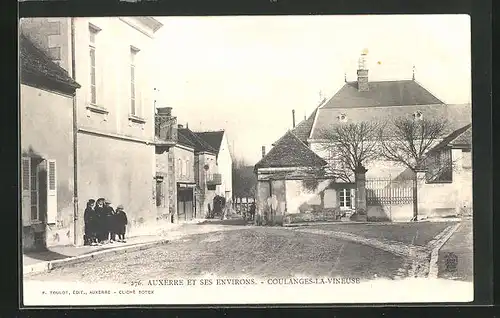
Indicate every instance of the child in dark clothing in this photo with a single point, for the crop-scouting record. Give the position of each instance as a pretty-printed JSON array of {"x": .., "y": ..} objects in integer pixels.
[{"x": 121, "y": 223}]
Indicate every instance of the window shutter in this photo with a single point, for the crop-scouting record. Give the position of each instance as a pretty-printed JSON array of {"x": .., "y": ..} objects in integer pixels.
[
  {"x": 51, "y": 192},
  {"x": 26, "y": 193},
  {"x": 353, "y": 198}
]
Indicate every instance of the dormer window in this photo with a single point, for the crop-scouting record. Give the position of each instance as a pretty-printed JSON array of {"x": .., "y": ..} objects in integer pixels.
[
  {"x": 417, "y": 115},
  {"x": 342, "y": 118}
]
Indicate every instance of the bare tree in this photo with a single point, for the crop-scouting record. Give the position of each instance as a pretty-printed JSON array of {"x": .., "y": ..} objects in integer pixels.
[
  {"x": 407, "y": 142},
  {"x": 350, "y": 147}
]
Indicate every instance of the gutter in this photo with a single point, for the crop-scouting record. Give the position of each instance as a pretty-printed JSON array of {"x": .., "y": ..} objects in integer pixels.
[{"x": 75, "y": 140}]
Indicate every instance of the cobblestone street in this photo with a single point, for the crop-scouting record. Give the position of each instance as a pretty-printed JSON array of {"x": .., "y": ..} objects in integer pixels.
[{"x": 227, "y": 250}]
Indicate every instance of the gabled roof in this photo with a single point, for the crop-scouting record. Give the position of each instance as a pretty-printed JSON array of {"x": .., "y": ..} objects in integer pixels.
[
  {"x": 458, "y": 115},
  {"x": 188, "y": 138},
  {"x": 303, "y": 129},
  {"x": 460, "y": 138},
  {"x": 290, "y": 151},
  {"x": 384, "y": 93},
  {"x": 212, "y": 138},
  {"x": 39, "y": 69}
]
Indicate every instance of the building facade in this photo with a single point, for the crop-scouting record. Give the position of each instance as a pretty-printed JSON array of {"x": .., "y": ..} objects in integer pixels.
[
  {"x": 389, "y": 189},
  {"x": 165, "y": 179},
  {"x": 47, "y": 162},
  {"x": 115, "y": 109},
  {"x": 224, "y": 161}
]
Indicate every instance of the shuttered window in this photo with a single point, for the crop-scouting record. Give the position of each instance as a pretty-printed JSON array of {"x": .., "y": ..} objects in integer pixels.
[
  {"x": 52, "y": 175},
  {"x": 26, "y": 173},
  {"x": 51, "y": 192}
]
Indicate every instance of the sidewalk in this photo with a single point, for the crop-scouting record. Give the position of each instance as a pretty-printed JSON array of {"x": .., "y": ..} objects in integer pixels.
[
  {"x": 41, "y": 261},
  {"x": 456, "y": 256}
]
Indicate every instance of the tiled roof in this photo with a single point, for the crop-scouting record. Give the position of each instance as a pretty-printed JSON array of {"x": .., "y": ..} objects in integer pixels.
[
  {"x": 34, "y": 61},
  {"x": 385, "y": 93},
  {"x": 457, "y": 115},
  {"x": 213, "y": 138},
  {"x": 461, "y": 137},
  {"x": 290, "y": 151},
  {"x": 188, "y": 138}
]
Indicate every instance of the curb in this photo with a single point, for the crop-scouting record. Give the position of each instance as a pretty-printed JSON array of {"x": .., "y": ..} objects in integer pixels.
[
  {"x": 444, "y": 237},
  {"x": 324, "y": 223},
  {"x": 50, "y": 265}
]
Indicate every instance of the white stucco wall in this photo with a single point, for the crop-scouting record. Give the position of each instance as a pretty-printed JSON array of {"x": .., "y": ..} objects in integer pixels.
[
  {"x": 225, "y": 162},
  {"x": 113, "y": 44}
]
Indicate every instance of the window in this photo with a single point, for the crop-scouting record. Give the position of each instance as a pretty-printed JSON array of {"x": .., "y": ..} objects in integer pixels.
[
  {"x": 440, "y": 167},
  {"x": 133, "y": 92},
  {"x": 159, "y": 193},
  {"x": 345, "y": 198},
  {"x": 179, "y": 167},
  {"x": 417, "y": 115},
  {"x": 187, "y": 169},
  {"x": 92, "y": 51}
]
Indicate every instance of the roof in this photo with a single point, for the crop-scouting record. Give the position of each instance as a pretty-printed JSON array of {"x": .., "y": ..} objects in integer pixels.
[
  {"x": 35, "y": 64},
  {"x": 460, "y": 138},
  {"x": 290, "y": 151},
  {"x": 213, "y": 138},
  {"x": 458, "y": 115},
  {"x": 303, "y": 129},
  {"x": 382, "y": 93},
  {"x": 188, "y": 138}
]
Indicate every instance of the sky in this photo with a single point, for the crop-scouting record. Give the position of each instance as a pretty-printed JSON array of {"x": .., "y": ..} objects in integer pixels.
[{"x": 245, "y": 74}]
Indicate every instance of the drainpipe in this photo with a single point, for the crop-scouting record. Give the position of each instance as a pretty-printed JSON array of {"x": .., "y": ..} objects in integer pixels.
[{"x": 76, "y": 222}]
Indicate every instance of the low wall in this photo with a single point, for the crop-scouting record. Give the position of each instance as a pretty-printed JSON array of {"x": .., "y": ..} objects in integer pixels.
[
  {"x": 438, "y": 200},
  {"x": 394, "y": 213},
  {"x": 313, "y": 216}
]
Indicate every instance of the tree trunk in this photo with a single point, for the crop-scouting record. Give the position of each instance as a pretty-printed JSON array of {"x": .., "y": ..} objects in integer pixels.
[{"x": 415, "y": 197}]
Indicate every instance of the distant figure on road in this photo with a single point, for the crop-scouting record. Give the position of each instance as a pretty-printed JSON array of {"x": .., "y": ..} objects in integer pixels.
[
  {"x": 90, "y": 219},
  {"x": 121, "y": 223},
  {"x": 252, "y": 211}
]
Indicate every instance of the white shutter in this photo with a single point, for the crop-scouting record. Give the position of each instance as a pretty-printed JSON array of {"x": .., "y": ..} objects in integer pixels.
[
  {"x": 353, "y": 198},
  {"x": 51, "y": 192},
  {"x": 26, "y": 190}
]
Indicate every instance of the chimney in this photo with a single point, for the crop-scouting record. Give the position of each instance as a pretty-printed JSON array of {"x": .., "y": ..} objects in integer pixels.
[
  {"x": 180, "y": 126},
  {"x": 187, "y": 125},
  {"x": 165, "y": 111},
  {"x": 363, "y": 72},
  {"x": 263, "y": 151},
  {"x": 293, "y": 117}
]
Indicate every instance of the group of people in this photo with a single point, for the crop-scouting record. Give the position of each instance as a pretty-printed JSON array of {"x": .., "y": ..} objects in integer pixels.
[{"x": 103, "y": 224}]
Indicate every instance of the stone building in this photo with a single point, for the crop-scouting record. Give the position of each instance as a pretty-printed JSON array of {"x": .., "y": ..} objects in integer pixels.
[
  {"x": 389, "y": 192},
  {"x": 47, "y": 140},
  {"x": 111, "y": 59},
  {"x": 165, "y": 178},
  {"x": 219, "y": 142},
  {"x": 202, "y": 162}
]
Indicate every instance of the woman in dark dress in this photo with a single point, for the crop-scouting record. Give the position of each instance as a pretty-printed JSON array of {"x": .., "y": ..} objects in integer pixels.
[
  {"x": 101, "y": 220},
  {"x": 89, "y": 218}
]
